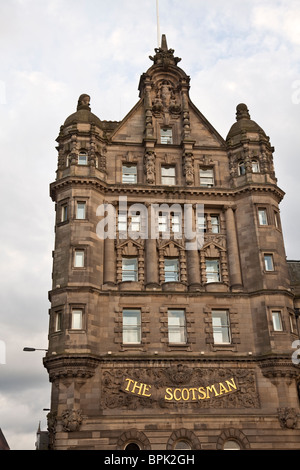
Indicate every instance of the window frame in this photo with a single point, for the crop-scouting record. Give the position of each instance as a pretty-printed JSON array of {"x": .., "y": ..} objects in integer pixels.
[
  {"x": 129, "y": 175},
  {"x": 216, "y": 272},
  {"x": 175, "y": 329},
  {"x": 175, "y": 272},
  {"x": 79, "y": 260},
  {"x": 269, "y": 256},
  {"x": 241, "y": 168},
  {"x": 167, "y": 179},
  {"x": 166, "y": 139},
  {"x": 79, "y": 312},
  {"x": 218, "y": 330},
  {"x": 276, "y": 319},
  {"x": 204, "y": 179},
  {"x": 132, "y": 328},
  {"x": 263, "y": 219},
  {"x": 84, "y": 204},
  {"x": 126, "y": 272},
  {"x": 82, "y": 154}
]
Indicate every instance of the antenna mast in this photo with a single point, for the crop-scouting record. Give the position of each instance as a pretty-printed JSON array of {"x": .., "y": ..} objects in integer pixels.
[{"x": 158, "y": 27}]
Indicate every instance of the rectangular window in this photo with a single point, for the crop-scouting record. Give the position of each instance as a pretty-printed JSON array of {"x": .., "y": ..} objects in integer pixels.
[
  {"x": 76, "y": 319},
  {"x": 262, "y": 217},
  {"x": 79, "y": 259},
  {"x": 58, "y": 321},
  {"x": 212, "y": 270},
  {"x": 129, "y": 174},
  {"x": 176, "y": 223},
  {"x": 64, "y": 213},
  {"x": 207, "y": 177},
  {"x": 201, "y": 223},
  {"x": 176, "y": 326},
  {"x": 268, "y": 262},
  {"x": 131, "y": 326},
  {"x": 168, "y": 176},
  {"x": 221, "y": 327},
  {"x": 215, "y": 224},
  {"x": 172, "y": 270},
  {"x": 135, "y": 223},
  {"x": 129, "y": 269},
  {"x": 122, "y": 222},
  {"x": 277, "y": 220},
  {"x": 162, "y": 223},
  {"x": 82, "y": 158},
  {"x": 166, "y": 136},
  {"x": 80, "y": 210},
  {"x": 276, "y": 320}
]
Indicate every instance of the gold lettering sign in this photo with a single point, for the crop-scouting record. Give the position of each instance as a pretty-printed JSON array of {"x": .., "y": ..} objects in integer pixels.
[{"x": 185, "y": 394}]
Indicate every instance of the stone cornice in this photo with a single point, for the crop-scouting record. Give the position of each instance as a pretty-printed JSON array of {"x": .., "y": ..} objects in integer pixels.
[{"x": 179, "y": 191}]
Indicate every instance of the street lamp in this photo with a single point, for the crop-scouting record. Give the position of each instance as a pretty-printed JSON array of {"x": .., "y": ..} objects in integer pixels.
[{"x": 33, "y": 349}]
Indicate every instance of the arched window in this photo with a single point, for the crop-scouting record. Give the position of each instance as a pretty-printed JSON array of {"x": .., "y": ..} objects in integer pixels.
[
  {"x": 182, "y": 445},
  {"x": 231, "y": 445},
  {"x": 132, "y": 446},
  {"x": 242, "y": 168}
]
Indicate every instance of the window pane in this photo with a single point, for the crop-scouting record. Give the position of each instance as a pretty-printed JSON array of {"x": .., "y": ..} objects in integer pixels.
[
  {"x": 64, "y": 213},
  {"x": 231, "y": 445},
  {"x": 129, "y": 269},
  {"x": 122, "y": 222},
  {"x": 79, "y": 259},
  {"x": 131, "y": 326},
  {"x": 82, "y": 158},
  {"x": 206, "y": 177},
  {"x": 162, "y": 223},
  {"x": 215, "y": 227},
  {"x": 129, "y": 174},
  {"x": 220, "y": 324},
  {"x": 176, "y": 326},
  {"x": 135, "y": 223},
  {"x": 242, "y": 168},
  {"x": 171, "y": 270},
  {"x": 212, "y": 270},
  {"x": 175, "y": 219},
  {"x": 262, "y": 217},
  {"x": 277, "y": 323},
  {"x": 255, "y": 166},
  {"x": 80, "y": 214},
  {"x": 201, "y": 223},
  {"x": 58, "y": 321},
  {"x": 76, "y": 319},
  {"x": 269, "y": 266},
  {"x": 168, "y": 175},
  {"x": 166, "y": 136}
]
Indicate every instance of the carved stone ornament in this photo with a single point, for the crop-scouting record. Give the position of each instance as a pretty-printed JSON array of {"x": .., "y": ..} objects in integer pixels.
[
  {"x": 288, "y": 418},
  {"x": 71, "y": 420},
  {"x": 149, "y": 162},
  {"x": 178, "y": 386}
]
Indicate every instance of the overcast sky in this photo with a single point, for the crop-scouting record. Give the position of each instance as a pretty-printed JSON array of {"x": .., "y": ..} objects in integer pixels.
[{"x": 54, "y": 50}]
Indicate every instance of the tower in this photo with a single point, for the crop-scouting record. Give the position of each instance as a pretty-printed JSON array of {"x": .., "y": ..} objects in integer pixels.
[{"x": 172, "y": 316}]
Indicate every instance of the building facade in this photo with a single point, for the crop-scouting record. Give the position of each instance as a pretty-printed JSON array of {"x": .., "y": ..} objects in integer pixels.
[{"x": 172, "y": 318}]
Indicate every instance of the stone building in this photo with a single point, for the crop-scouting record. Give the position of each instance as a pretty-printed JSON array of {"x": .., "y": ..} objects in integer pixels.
[{"x": 172, "y": 320}]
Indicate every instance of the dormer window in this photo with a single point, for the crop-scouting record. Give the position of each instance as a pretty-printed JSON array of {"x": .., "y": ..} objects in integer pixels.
[
  {"x": 82, "y": 158},
  {"x": 166, "y": 136}
]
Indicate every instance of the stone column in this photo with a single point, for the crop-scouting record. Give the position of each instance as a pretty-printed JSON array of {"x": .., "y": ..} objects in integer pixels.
[
  {"x": 109, "y": 276},
  {"x": 192, "y": 256},
  {"x": 151, "y": 255},
  {"x": 232, "y": 251}
]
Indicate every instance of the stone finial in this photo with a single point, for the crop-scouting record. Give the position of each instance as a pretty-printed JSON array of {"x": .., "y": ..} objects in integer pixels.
[
  {"x": 164, "y": 56},
  {"x": 242, "y": 112},
  {"x": 84, "y": 102}
]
